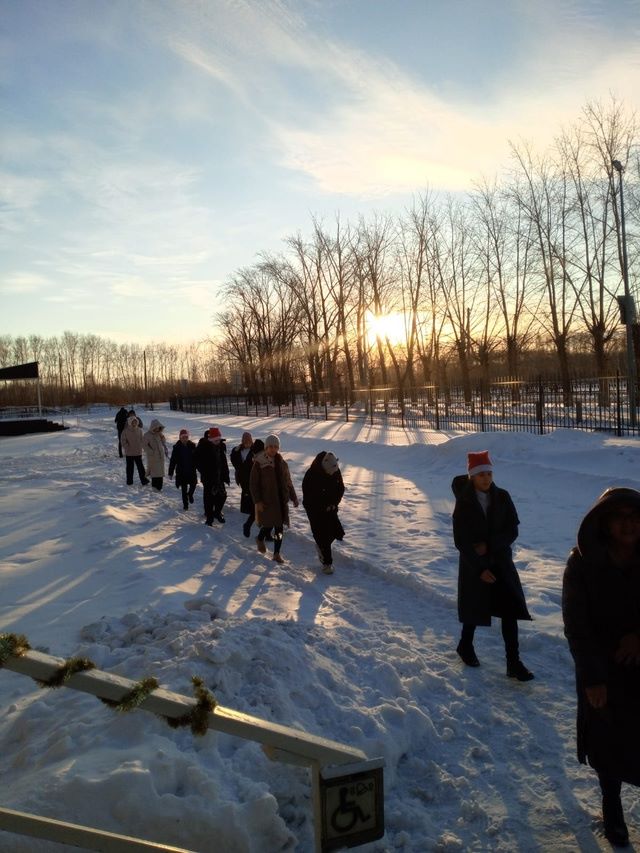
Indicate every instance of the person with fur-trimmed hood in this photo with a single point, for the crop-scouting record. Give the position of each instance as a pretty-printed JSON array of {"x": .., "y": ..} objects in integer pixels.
[
  {"x": 322, "y": 491},
  {"x": 211, "y": 462},
  {"x": 182, "y": 462},
  {"x": 156, "y": 451},
  {"x": 132, "y": 438},
  {"x": 485, "y": 525},
  {"x": 271, "y": 490},
  {"x": 601, "y": 612},
  {"x": 242, "y": 458}
]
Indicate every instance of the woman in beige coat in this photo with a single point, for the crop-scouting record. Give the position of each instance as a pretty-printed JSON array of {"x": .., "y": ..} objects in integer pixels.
[
  {"x": 132, "y": 445},
  {"x": 271, "y": 490},
  {"x": 155, "y": 448}
]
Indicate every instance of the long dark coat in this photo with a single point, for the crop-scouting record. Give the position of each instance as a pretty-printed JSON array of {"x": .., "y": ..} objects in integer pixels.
[
  {"x": 600, "y": 604},
  {"x": 182, "y": 461},
  {"x": 211, "y": 461},
  {"x": 319, "y": 492},
  {"x": 270, "y": 483},
  {"x": 243, "y": 474},
  {"x": 479, "y": 601}
]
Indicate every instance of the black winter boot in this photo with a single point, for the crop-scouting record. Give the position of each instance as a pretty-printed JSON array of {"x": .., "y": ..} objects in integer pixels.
[
  {"x": 467, "y": 653},
  {"x": 615, "y": 829},
  {"x": 516, "y": 669}
]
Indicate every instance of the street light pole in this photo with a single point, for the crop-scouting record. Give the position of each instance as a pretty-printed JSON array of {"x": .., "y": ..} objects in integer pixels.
[{"x": 629, "y": 316}]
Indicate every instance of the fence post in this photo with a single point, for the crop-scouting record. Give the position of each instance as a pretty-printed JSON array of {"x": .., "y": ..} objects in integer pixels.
[
  {"x": 540, "y": 405},
  {"x": 437, "y": 391},
  {"x": 326, "y": 410},
  {"x": 293, "y": 403},
  {"x": 370, "y": 406},
  {"x": 481, "y": 406},
  {"x": 618, "y": 405}
]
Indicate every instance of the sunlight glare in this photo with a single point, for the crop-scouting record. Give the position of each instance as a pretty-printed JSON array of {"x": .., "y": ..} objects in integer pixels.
[{"x": 386, "y": 326}]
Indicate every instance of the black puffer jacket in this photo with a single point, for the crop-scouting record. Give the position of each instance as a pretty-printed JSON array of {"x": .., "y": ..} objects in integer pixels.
[
  {"x": 600, "y": 605},
  {"x": 479, "y": 601}
]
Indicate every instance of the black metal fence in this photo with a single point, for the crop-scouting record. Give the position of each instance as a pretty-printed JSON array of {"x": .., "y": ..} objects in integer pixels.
[{"x": 539, "y": 405}]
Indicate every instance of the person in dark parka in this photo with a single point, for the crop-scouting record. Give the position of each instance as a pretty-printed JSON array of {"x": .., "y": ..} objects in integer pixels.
[
  {"x": 182, "y": 462},
  {"x": 242, "y": 458},
  {"x": 322, "y": 491},
  {"x": 485, "y": 525},
  {"x": 211, "y": 462},
  {"x": 121, "y": 422},
  {"x": 601, "y": 612}
]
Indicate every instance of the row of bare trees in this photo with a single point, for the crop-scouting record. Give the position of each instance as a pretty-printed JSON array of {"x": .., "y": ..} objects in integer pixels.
[
  {"x": 77, "y": 369},
  {"x": 479, "y": 281}
]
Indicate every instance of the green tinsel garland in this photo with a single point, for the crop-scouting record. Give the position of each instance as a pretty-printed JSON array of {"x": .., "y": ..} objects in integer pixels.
[
  {"x": 135, "y": 697},
  {"x": 68, "y": 668},
  {"x": 198, "y": 718},
  {"x": 14, "y": 645}
]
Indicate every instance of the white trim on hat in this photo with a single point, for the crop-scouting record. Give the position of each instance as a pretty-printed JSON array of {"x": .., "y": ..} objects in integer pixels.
[{"x": 479, "y": 469}]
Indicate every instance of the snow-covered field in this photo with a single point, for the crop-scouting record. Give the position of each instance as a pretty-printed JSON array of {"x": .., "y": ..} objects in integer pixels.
[{"x": 474, "y": 761}]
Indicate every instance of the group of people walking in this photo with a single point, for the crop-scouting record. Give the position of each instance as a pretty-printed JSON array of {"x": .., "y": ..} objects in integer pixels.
[
  {"x": 259, "y": 469},
  {"x": 600, "y": 609},
  {"x": 601, "y": 584}
]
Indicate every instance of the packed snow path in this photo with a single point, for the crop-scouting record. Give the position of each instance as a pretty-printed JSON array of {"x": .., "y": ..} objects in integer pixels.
[{"x": 366, "y": 656}]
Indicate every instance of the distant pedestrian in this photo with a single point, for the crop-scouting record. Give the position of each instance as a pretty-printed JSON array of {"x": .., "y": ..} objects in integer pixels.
[
  {"x": 211, "y": 462},
  {"x": 322, "y": 491},
  {"x": 601, "y": 611},
  {"x": 132, "y": 445},
  {"x": 182, "y": 461},
  {"x": 156, "y": 451},
  {"x": 121, "y": 422},
  {"x": 485, "y": 525},
  {"x": 271, "y": 490},
  {"x": 242, "y": 458}
]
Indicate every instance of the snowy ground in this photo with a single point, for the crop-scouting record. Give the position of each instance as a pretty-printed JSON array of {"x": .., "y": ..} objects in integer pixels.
[{"x": 367, "y": 656}]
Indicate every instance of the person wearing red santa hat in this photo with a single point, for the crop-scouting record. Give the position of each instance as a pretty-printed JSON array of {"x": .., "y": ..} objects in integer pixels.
[
  {"x": 211, "y": 462},
  {"x": 485, "y": 525}
]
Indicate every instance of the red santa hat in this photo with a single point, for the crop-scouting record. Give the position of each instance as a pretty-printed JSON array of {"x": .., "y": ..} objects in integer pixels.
[
  {"x": 214, "y": 433},
  {"x": 478, "y": 462}
]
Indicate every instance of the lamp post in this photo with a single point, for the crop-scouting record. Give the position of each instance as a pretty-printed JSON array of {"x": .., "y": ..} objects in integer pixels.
[{"x": 629, "y": 314}]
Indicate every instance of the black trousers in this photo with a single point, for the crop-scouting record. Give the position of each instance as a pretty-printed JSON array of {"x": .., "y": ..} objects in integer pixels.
[
  {"x": 188, "y": 490},
  {"x": 120, "y": 453},
  {"x": 213, "y": 502},
  {"x": 277, "y": 537},
  {"x": 509, "y": 635},
  {"x": 130, "y": 460}
]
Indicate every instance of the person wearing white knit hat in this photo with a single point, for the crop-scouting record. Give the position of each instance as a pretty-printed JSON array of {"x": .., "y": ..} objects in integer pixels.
[
  {"x": 485, "y": 524},
  {"x": 271, "y": 490}
]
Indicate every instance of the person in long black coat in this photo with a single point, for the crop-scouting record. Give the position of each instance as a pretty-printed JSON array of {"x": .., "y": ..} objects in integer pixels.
[
  {"x": 242, "y": 458},
  {"x": 485, "y": 525},
  {"x": 182, "y": 461},
  {"x": 121, "y": 422},
  {"x": 322, "y": 491},
  {"x": 211, "y": 462},
  {"x": 601, "y": 612}
]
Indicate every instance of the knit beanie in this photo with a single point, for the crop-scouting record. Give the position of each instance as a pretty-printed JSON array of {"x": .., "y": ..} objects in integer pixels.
[
  {"x": 478, "y": 462},
  {"x": 184, "y": 432},
  {"x": 272, "y": 441}
]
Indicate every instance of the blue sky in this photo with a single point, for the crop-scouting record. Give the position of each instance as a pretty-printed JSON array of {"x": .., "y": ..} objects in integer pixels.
[{"x": 149, "y": 148}]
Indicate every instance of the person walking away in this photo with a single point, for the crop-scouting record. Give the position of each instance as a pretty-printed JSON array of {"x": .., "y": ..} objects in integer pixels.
[
  {"x": 601, "y": 613},
  {"x": 155, "y": 448},
  {"x": 132, "y": 445},
  {"x": 121, "y": 422},
  {"x": 211, "y": 462},
  {"x": 322, "y": 491},
  {"x": 271, "y": 490},
  {"x": 485, "y": 525},
  {"x": 182, "y": 462},
  {"x": 242, "y": 458}
]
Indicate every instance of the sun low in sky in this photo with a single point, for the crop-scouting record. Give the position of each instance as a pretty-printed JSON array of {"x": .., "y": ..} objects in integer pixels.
[{"x": 150, "y": 149}]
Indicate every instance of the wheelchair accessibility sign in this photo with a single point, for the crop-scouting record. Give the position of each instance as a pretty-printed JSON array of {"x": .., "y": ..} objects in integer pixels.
[{"x": 352, "y": 804}]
